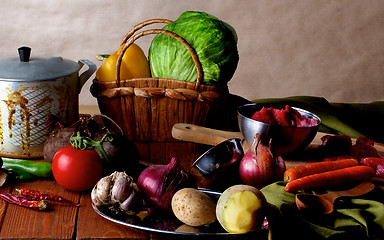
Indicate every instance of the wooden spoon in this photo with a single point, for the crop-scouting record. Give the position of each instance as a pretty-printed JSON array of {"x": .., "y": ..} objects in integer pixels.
[
  {"x": 324, "y": 203},
  {"x": 197, "y": 134}
]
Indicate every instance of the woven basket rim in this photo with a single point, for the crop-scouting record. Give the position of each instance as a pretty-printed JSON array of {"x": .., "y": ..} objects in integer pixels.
[
  {"x": 113, "y": 84},
  {"x": 206, "y": 93}
]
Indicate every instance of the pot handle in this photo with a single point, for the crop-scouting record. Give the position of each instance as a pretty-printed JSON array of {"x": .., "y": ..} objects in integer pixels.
[{"x": 88, "y": 73}]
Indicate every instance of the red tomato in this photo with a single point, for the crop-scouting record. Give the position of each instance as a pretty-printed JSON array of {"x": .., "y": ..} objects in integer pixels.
[{"x": 76, "y": 169}]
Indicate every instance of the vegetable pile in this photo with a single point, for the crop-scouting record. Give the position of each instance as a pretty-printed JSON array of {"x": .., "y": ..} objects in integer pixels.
[{"x": 168, "y": 190}]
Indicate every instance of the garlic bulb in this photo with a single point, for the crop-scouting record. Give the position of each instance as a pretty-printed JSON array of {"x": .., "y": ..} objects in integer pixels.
[{"x": 117, "y": 192}]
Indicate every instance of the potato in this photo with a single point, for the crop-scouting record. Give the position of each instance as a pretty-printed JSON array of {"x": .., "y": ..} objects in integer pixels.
[
  {"x": 193, "y": 207},
  {"x": 241, "y": 208},
  {"x": 187, "y": 229}
]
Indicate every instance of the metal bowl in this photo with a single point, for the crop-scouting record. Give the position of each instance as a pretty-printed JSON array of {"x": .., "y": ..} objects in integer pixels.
[
  {"x": 284, "y": 139},
  {"x": 216, "y": 168}
]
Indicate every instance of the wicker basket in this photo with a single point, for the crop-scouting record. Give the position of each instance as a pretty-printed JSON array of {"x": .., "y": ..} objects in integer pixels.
[{"x": 147, "y": 108}]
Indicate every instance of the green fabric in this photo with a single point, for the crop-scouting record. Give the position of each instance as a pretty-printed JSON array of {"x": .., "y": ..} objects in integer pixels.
[
  {"x": 352, "y": 119},
  {"x": 353, "y": 218}
]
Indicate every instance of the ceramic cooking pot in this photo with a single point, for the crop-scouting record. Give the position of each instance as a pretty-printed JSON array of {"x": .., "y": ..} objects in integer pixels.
[{"x": 35, "y": 94}]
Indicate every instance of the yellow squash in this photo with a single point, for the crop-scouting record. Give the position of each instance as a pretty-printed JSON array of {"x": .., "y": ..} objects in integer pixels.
[{"x": 134, "y": 65}]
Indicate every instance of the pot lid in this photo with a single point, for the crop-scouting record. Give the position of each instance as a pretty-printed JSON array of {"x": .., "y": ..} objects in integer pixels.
[{"x": 24, "y": 68}]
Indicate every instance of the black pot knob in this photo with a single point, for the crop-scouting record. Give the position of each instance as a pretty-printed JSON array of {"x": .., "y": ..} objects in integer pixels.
[{"x": 24, "y": 53}]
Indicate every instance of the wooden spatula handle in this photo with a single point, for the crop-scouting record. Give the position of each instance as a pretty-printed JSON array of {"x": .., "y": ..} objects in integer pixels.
[{"x": 197, "y": 134}]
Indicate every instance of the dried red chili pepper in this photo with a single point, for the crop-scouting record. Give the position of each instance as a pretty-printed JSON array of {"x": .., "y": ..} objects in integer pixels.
[
  {"x": 38, "y": 195},
  {"x": 22, "y": 201}
]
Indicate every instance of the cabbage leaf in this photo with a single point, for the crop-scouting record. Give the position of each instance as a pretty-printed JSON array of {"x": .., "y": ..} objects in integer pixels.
[{"x": 214, "y": 41}]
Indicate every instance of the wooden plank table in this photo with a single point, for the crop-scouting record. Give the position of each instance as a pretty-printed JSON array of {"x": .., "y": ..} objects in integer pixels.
[{"x": 67, "y": 222}]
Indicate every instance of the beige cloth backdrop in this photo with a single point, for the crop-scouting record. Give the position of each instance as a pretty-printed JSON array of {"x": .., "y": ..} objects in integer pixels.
[{"x": 333, "y": 49}]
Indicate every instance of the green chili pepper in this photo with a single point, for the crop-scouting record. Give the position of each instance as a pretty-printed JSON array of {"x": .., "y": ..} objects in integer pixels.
[
  {"x": 20, "y": 175},
  {"x": 24, "y": 167}
]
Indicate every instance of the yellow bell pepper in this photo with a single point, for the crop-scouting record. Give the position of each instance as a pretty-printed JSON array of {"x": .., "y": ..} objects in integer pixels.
[{"x": 133, "y": 65}]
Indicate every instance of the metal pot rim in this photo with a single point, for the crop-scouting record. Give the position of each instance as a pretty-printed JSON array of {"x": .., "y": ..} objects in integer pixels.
[{"x": 26, "y": 68}]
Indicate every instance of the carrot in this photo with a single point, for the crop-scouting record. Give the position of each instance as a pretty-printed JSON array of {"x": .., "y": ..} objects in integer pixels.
[
  {"x": 317, "y": 167},
  {"x": 337, "y": 158},
  {"x": 331, "y": 178}
]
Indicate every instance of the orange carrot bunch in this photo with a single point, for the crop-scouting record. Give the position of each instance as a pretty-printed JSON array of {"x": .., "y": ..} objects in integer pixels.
[
  {"x": 317, "y": 167},
  {"x": 328, "y": 173}
]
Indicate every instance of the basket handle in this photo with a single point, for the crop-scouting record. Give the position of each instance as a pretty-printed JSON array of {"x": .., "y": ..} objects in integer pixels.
[
  {"x": 133, "y": 38},
  {"x": 141, "y": 25}
]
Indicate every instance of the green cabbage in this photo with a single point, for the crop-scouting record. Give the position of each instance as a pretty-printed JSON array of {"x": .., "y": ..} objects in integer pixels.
[{"x": 214, "y": 41}]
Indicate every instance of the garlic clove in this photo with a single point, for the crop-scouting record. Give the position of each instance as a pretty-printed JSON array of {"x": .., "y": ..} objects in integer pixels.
[
  {"x": 100, "y": 193},
  {"x": 94, "y": 197},
  {"x": 128, "y": 202},
  {"x": 134, "y": 201},
  {"x": 121, "y": 188}
]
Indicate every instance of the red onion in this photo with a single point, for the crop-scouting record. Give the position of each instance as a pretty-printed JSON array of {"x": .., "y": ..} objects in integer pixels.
[
  {"x": 159, "y": 183},
  {"x": 259, "y": 167}
]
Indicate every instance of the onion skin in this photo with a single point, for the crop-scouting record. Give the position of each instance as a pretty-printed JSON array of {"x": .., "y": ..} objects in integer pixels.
[
  {"x": 259, "y": 167},
  {"x": 159, "y": 183}
]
